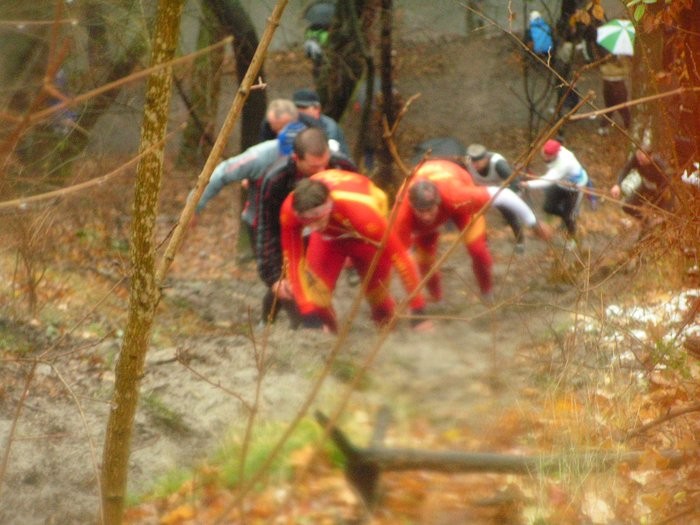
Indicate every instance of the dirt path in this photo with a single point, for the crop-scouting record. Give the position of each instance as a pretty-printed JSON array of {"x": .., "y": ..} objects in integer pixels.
[{"x": 466, "y": 372}]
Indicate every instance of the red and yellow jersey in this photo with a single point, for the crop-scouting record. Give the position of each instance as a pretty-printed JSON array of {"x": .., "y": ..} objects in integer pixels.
[
  {"x": 460, "y": 199},
  {"x": 359, "y": 210}
]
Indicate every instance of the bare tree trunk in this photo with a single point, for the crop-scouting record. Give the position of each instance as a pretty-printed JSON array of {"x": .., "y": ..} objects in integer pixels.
[
  {"x": 667, "y": 59},
  {"x": 235, "y": 20},
  {"x": 385, "y": 178},
  {"x": 345, "y": 64},
  {"x": 687, "y": 140},
  {"x": 203, "y": 95},
  {"x": 144, "y": 293}
]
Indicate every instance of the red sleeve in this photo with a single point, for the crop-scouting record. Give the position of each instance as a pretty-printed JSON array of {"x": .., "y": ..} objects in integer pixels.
[
  {"x": 403, "y": 225},
  {"x": 293, "y": 252},
  {"x": 464, "y": 202},
  {"x": 406, "y": 268}
]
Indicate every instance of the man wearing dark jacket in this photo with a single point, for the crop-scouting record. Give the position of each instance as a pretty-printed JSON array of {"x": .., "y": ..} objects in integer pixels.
[{"x": 311, "y": 155}]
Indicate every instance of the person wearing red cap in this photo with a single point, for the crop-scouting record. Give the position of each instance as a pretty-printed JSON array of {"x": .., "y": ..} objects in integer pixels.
[
  {"x": 346, "y": 214},
  {"x": 562, "y": 182}
]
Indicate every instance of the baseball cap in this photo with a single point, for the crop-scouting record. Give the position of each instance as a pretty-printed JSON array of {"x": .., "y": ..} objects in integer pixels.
[
  {"x": 305, "y": 98},
  {"x": 551, "y": 148}
]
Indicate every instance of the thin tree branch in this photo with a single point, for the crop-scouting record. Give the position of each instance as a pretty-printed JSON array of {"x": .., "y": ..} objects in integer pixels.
[
  {"x": 635, "y": 102},
  {"x": 247, "y": 84},
  {"x": 88, "y": 435},
  {"x": 22, "y": 24},
  {"x": 33, "y": 118},
  {"x": 23, "y": 202},
  {"x": 181, "y": 360},
  {"x": 13, "y": 426},
  {"x": 671, "y": 414}
]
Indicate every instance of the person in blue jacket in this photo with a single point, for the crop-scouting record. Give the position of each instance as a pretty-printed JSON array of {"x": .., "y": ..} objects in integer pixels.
[{"x": 539, "y": 36}]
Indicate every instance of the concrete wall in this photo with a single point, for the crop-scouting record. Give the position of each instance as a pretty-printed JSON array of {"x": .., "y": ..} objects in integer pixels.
[
  {"x": 418, "y": 19},
  {"x": 415, "y": 19}
]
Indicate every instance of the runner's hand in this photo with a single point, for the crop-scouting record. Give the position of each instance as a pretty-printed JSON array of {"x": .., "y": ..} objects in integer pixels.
[
  {"x": 283, "y": 289},
  {"x": 543, "y": 230},
  {"x": 425, "y": 326}
]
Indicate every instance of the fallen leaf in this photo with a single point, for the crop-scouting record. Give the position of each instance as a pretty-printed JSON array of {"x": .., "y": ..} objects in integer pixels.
[
  {"x": 596, "y": 509},
  {"x": 178, "y": 515}
]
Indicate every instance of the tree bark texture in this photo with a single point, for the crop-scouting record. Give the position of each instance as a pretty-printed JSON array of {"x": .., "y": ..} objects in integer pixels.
[
  {"x": 144, "y": 294},
  {"x": 345, "y": 64},
  {"x": 682, "y": 57},
  {"x": 235, "y": 21},
  {"x": 667, "y": 58},
  {"x": 385, "y": 177},
  {"x": 202, "y": 97}
]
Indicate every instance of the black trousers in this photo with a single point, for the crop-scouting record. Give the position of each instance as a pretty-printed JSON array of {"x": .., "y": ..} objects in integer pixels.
[
  {"x": 271, "y": 306},
  {"x": 513, "y": 222},
  {"x": 615, "y": 92},
  {"x": 564, "y": 203}
]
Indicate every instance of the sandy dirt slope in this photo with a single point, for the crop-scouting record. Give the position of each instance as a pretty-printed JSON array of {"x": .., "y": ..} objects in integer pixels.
[{"x": 471, "y": 367}]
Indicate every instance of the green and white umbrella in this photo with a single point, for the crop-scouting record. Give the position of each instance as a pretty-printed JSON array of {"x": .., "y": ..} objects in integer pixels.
[{"x": 617, "y": 36}]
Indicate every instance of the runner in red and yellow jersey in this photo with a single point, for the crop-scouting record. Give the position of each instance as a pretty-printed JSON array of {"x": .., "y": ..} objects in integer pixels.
[
  {"x": 439, "y": 191},
  {"x": 346, "y": 214}
]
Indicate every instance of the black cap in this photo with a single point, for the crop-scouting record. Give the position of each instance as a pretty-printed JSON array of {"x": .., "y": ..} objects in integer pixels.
[{"x": 305, "y": 98}]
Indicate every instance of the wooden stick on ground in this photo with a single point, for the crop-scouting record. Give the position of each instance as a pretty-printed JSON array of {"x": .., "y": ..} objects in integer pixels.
[{"x": 365, "y": 465}]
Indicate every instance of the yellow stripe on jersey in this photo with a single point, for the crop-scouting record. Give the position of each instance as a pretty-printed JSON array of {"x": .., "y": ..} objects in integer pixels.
[
  {"x": 436, "y": 173},
  {"x": 475, "y": 230},
  {"x": 376, "y": 200}
]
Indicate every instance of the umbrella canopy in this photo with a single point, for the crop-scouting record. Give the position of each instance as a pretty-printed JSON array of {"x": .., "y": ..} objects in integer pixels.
[
  {"x": 441, "y": 148},
  {"x": 320, "y": 14},
  {"x": 617, "y": 36}
]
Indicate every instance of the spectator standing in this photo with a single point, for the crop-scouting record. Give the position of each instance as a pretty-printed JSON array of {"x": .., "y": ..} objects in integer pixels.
[
  {"x": 539, "y": 36},
  {"x": 319, "y": 15},
  {"x": 614, "y": 74}
]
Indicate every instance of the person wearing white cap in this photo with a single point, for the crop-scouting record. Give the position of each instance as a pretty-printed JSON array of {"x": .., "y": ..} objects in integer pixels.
[{"x": 539, "y": 36}]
